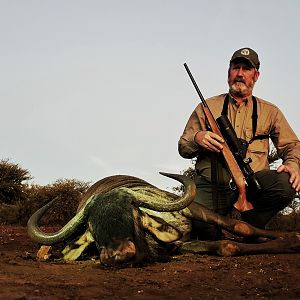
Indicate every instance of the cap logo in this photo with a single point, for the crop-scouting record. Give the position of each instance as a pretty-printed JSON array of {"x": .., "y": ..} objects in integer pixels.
[{"x": 245, "y": 52}]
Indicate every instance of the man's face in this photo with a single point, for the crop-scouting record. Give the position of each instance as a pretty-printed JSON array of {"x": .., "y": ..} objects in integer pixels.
[{"x": 241, "y": 78}]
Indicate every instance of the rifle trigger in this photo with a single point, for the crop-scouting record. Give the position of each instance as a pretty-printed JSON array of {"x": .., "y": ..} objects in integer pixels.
[
  {"x": 232, "y": 185},
  {"x": 247, "y": 160}
]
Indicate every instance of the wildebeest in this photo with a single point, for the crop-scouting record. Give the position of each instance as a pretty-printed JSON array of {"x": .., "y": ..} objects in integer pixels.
[{"x": 130, "y": 220}]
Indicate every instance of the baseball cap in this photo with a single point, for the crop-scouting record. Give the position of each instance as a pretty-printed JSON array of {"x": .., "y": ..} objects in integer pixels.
[{"x": 248, "y": 54}]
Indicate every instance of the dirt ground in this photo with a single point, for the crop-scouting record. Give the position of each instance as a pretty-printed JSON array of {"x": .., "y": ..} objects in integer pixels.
[{"x": 188, "y": 276}]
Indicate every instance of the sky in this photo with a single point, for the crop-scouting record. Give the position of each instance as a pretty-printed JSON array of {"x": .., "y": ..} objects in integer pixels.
[{"x": 93, "y": 88}]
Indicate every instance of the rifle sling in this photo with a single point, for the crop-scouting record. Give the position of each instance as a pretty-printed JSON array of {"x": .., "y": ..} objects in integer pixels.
[{"x": 254, "y": 118}]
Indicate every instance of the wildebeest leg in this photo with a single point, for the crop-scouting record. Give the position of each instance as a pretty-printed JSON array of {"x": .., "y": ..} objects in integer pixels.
[
  {"x": 241, "y": 228},
  {"x": 277, "y": 242},
  {"x": 288, "y": 244}
]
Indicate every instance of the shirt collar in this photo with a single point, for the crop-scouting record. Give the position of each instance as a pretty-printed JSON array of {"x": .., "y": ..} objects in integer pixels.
[{"x": 246, "y": 101}]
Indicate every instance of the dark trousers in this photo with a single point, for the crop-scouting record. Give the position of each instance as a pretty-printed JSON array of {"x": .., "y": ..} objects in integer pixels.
[{"x": 275, "y": 194}]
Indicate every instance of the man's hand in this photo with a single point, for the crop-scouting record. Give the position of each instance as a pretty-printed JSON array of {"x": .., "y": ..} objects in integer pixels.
[
  {"x": 209, "y": 140},
  {"x": 294, "y": 176}
]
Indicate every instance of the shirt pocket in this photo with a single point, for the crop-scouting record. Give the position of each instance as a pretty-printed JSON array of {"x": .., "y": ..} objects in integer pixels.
[{"x": 258, "y": 147}]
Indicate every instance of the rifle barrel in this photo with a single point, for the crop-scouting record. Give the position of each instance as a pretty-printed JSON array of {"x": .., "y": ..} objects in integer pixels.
[{"x": 195, "y": 85}]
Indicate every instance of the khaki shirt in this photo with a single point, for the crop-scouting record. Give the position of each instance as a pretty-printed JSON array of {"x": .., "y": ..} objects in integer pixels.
[{"x": 270, "y": 121}]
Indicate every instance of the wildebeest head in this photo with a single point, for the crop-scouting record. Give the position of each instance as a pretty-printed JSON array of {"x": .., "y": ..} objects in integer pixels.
[{"x": 116, "y": 224}]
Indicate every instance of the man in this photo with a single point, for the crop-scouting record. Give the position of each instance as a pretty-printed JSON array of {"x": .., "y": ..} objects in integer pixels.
[{"x": 254, "y": 121}]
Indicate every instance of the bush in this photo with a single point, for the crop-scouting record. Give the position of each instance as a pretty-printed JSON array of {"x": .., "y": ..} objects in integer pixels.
[
  {"x": 189, "y": 172},
  {"x": 12, "y": 184},
  {"x": 67, "y": 193},
  {"x": 8, "y": 214}
]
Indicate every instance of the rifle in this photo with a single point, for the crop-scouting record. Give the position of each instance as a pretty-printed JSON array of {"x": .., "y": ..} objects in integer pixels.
[{"x": 238, "y": 166}]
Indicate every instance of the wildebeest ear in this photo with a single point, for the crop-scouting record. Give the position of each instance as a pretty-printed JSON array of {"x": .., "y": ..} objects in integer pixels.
[{"x": 160, "y": 229}]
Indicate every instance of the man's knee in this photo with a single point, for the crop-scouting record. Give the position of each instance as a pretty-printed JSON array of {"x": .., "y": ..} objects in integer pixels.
[
  {"x": 275, "y": 185},
  {"x": 276, "y": 192},
  {"x": 288, "y": 192}
]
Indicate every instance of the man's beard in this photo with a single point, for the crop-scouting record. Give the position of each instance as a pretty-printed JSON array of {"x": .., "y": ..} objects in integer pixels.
[{"x": 239, "y": 88}]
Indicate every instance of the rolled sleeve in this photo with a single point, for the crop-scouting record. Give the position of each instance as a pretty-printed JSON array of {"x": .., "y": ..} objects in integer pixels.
[
  {"x": 187, "y": 147},
  {"x": 286, "y": 141}
]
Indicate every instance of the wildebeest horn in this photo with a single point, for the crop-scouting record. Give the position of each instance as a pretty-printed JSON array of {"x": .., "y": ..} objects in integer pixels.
[
  {"x": 36, "y": 234},
  {"x": 155, "y": 199}
]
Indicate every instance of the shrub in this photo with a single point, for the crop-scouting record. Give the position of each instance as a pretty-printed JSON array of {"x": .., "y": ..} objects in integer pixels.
[
  {"x": 12, "y": 184},
  {"x": 8, "y": 214},
  {"x": 67, "y": 193}
]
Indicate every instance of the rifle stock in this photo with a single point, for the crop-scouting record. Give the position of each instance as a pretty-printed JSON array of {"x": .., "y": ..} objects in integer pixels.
[{"x": 242, "y": 204}]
